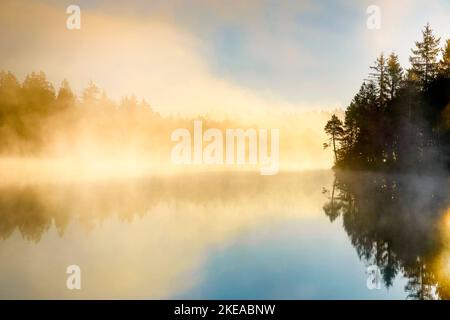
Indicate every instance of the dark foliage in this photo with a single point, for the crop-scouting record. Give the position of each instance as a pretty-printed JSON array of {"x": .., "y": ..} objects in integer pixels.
[{"x": 399, "y": 121}]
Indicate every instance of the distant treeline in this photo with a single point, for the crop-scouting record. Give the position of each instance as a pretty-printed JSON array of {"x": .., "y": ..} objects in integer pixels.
[
  {"x": 400, "y": 119},
  {"x": 39, "y": 120},
  {"x": 33, "y": 115}
]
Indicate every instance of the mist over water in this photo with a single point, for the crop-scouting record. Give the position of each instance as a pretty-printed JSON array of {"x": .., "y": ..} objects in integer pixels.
[
  {"x": 399, "y": 223},
  {"x": 188, "y": 235}
]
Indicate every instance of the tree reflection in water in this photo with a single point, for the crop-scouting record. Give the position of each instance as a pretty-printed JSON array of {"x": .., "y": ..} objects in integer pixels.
[{"x": 396, "y": 222}]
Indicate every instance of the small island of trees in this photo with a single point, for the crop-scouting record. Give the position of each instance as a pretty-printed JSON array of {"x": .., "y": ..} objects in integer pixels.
[{"x": 400, "y": 118}]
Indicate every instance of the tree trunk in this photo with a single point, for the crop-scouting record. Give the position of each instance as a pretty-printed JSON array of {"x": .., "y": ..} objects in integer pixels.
[{"x": 334, "y": 149}]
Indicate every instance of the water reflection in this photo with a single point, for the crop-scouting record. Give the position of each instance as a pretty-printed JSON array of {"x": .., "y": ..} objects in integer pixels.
[
  {"x": 33, "y": 209},
  {"x": 227, "y": 235},
  {"x": 398, "y": 223},
  {"x": 144, "y": 238}
]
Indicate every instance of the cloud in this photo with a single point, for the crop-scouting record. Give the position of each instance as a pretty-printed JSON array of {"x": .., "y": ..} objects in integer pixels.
[
  {"x": 180, "y": 56},
  {"x": 152, "y": 58},
  {"x": 401, "y": 25}
]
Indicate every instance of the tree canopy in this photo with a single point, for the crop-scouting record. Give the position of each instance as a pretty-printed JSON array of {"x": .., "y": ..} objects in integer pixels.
[{"x": 399, "y": 120}]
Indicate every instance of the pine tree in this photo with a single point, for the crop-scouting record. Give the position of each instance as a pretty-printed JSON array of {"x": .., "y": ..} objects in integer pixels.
[
  {"x": 38, "y": 93},
  {"x": 380, "y": 78},
  {"x": 424, "y": 59},
  {"x": 91, "y": 95},
  {"x": 444, "y": 65},
  {"x": 395, "y": 75},
  {"x": 334, "y": 129},
  {"x": 65, "y": 97},
  {"x": 9, "y": 91}
]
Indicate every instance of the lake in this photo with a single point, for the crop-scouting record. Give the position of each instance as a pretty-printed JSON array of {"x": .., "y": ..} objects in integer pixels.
[{"x": 294, "y": 235}]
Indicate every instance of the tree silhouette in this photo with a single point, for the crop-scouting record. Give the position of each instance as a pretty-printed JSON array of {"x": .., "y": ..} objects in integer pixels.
[
  {"x": 65, "y": 97},
  {"x": 424, "y": 59},
  {"x": 334, "y": 129},
  {"x": 381, "y": 80},
  {"x": 444, "y": 65},
  {"x": 395, "y": 75},
  {"x": 91, "y": 95},
  {"x": 399, "y": 122}
]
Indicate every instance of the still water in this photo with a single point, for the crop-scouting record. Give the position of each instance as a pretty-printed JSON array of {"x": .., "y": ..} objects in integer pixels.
[{"x": 307, "y": 235}]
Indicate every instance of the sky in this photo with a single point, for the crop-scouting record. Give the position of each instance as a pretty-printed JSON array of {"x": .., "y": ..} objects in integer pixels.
[{"x": 214, "y": 57}]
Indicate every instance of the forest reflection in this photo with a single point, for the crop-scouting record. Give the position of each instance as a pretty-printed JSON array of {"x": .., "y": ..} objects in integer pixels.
[
  {"x": 400, "y": 224},
  {"x": 34, "y": 209},
  {"x": 140, "y": 238}
]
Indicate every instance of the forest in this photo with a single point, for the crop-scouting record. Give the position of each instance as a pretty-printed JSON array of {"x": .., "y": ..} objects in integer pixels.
[
  {"x": 35, "y": 117},
  {"x": 399, "y": 120},
  {"x": 39, "y": 120}
]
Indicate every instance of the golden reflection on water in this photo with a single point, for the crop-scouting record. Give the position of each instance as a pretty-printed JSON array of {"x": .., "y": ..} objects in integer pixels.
[
  {"x": 139, "y": 238},
  {"x": 441, "y": 263},
  {"x": 149, "y": 237},
  {"x": 399, "y": 223}
]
